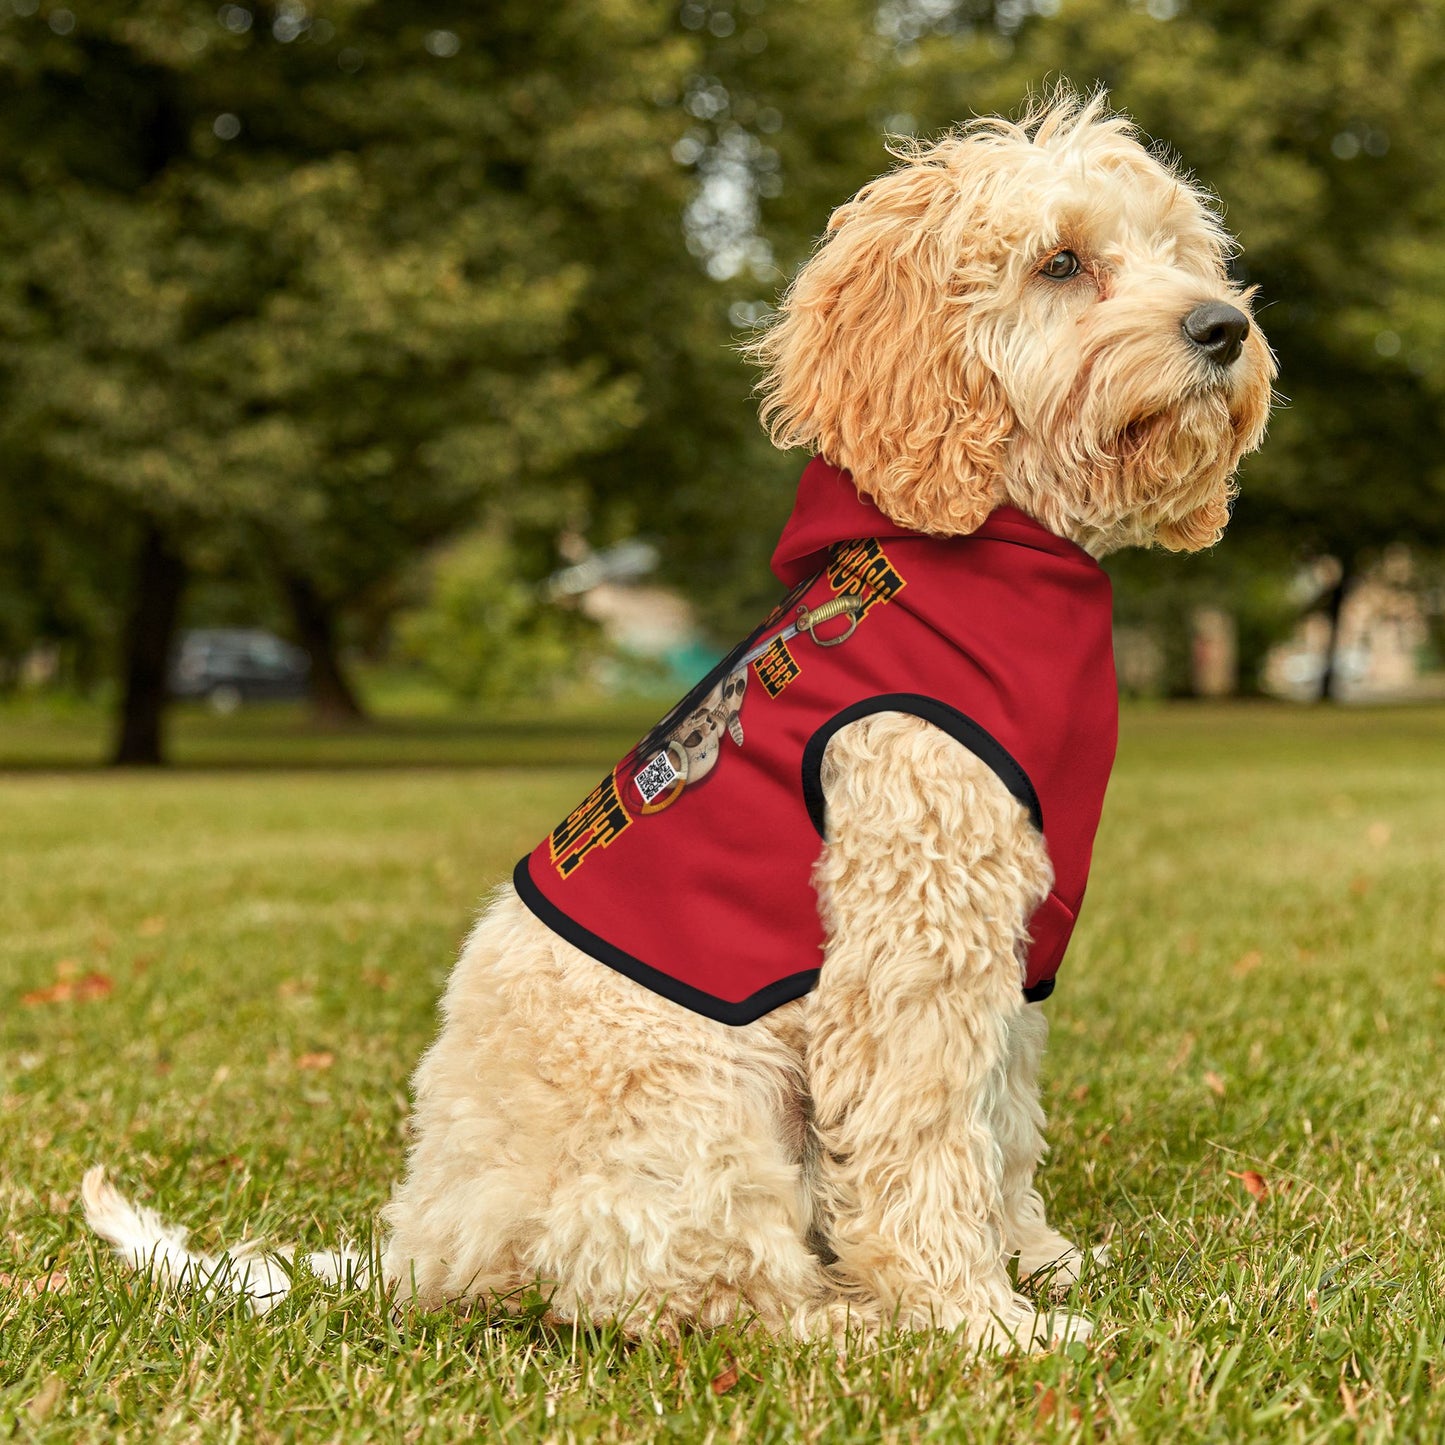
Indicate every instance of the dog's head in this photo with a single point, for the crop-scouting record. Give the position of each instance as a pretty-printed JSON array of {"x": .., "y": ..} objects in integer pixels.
[{"x": 1036, "y": 313}]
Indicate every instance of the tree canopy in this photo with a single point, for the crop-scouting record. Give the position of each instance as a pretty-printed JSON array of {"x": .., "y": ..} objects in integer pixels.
[
  {"x": 308, "y": 287},
  {"x": 305, "y": 289}
]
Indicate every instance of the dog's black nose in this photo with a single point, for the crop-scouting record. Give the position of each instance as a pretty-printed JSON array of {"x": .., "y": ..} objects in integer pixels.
[{"x": 1218, "y": 330}]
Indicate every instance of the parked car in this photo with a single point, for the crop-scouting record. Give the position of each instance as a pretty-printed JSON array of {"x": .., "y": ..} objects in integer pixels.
[{"x": 230, "y": 665}]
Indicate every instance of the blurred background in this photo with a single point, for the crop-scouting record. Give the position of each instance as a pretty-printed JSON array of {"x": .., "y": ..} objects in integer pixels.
[{"x": 365, "y": 362}]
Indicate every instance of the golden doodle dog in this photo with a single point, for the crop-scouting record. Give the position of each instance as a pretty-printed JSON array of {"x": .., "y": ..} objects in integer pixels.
[{"x": 1018, "y": 351}]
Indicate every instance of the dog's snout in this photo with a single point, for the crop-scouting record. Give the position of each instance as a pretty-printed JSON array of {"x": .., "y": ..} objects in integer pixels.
[{"x": 1218, "y": 330}]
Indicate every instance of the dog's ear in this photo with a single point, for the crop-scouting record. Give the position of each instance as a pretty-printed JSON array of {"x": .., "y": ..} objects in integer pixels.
[{"x": 873, "y": 360}]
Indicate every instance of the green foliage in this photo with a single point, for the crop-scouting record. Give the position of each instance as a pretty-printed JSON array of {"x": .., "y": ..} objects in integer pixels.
[
  {"x": 485, "y": 633},
  {"x": 318, "y": 288},
  {"x": 306, "y": 295},
  {"x": 61, "y": 568},
  {"x": 324, "y": 286},
  {"x": 780, "y": 117}
]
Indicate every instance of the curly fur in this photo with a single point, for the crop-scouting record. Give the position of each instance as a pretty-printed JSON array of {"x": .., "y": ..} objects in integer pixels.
[{"x": 866, "y": 1155}]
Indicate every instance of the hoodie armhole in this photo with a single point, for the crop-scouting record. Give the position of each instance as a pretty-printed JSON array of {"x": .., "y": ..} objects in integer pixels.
[{"x": 981, "y": 743}]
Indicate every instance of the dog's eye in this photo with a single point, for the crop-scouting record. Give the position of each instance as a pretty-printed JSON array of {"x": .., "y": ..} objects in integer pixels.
[{"x": 1060, "y": 266}]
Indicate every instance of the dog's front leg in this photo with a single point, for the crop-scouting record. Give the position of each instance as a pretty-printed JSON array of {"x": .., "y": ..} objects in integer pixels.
[
  {"x": 926, "y": 884},
  {"x": 1019, "y": 1124}
]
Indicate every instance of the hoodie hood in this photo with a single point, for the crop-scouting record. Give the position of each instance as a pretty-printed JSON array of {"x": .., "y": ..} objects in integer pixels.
[{"x": 829, "y": 509}]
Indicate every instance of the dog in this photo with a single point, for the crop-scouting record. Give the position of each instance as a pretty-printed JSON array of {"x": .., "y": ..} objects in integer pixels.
[{"x": 1023, "y": 336}]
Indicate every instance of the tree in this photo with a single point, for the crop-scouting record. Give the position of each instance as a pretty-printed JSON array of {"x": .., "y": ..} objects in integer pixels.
[
  {"x": 328, "y": 287},
  {"x": 291, "y": 283}
]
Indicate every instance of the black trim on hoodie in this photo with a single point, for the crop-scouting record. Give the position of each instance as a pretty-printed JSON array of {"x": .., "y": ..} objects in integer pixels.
[
  {"x": 959, "y": 727},
  {"x": 745, "y": 1011}
]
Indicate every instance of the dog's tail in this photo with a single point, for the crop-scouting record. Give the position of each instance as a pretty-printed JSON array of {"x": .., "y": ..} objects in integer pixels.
[{"x": 147, "y": 1243}]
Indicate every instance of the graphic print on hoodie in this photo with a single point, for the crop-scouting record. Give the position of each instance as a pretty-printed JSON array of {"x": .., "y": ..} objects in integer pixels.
[{"x": 688, "y": 867}]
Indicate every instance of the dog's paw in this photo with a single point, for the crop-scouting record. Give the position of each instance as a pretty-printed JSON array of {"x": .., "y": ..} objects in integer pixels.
[
  {"x": 1023, "y": 1326},
  {"x": 1059, "y": 1328},
  {"x": 1058, "y": 1270}
]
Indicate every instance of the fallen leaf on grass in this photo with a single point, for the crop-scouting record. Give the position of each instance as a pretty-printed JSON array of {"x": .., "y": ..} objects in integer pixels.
[
  {"x": 1255, "y": 1184},
  {"x": 56, "y": 993},
  {"x": 377, "y": 978},
  {"x": 1047, "y": 1405},
  {"x": 1347, "y": 1399},
  {"x": 1378, "y": 834},
  {"x": 1214, "y": 1083},
  {"x": 1079, "y": 1094},
  {"x": 67, "y": 990},
  {"x": 322, "y": 1059},
  {"x": 56, "y": 1282},
  {"x": 151, "y": 927},
  {"x": 1247, "y": 963},
  {"x": 724, "y": 1382},
  {"x": 1440, "y": 980},
  {"x": 1181, "y": 1054}
]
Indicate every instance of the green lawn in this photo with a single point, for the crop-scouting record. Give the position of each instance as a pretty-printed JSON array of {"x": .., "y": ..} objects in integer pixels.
[{"x": 252, "y": 958}]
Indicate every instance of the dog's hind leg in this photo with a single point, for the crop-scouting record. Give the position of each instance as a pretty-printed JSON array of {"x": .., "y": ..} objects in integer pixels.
[
  {"x": 578, "y": 1135},
  {"x": 680, "y": 1199},
  {"x": 925, "y": 895}
]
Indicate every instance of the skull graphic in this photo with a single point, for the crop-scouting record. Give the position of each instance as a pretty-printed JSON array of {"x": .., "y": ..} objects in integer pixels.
[{"x": 699, "y": 734}]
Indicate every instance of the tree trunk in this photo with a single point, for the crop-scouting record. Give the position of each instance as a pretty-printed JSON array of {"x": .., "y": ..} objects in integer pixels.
[
  {"x": 160, "y": 578},
  {"x": 1329, "y": 675},
  {"x": 333, "y": 699}
]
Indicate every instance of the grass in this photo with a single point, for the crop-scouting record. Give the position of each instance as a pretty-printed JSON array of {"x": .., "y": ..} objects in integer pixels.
[{"x": 231, "y": 972}]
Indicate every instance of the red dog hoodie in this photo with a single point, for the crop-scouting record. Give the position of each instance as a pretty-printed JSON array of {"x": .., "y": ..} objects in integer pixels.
[{"x": 688, "y": 868}]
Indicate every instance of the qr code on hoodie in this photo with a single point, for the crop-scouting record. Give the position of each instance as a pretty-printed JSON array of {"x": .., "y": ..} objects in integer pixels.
[{"x": 656, "y": 778}]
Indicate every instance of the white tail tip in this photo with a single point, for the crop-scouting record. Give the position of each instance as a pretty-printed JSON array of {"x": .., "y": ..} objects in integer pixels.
[{"x": 148, "y": 1244}]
